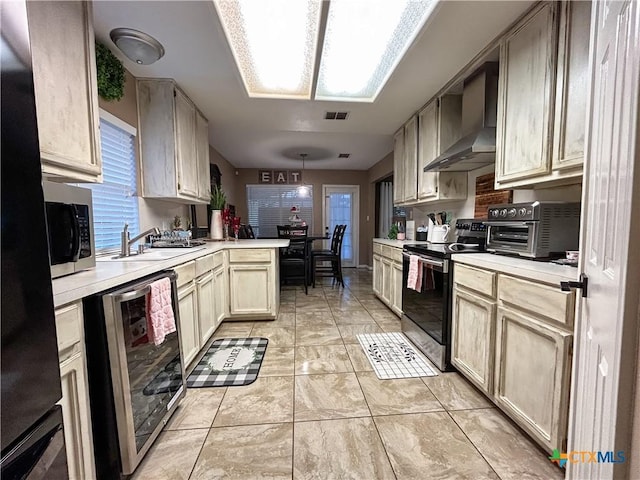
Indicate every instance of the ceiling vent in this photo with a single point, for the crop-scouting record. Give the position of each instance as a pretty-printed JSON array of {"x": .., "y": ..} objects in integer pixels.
[
  {"x": 336, "y": 115},
  {"x": 344, "y": 155}
]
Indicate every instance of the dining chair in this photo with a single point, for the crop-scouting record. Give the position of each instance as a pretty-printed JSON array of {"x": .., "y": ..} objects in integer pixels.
[
  {"x": 294, "y": 260},
  {"x": 333, "y": 256}
]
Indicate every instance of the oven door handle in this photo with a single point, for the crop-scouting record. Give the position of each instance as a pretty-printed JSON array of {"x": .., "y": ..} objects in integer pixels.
[
  {"x": 435, "y": 263},
  {"x": 132, "y": 295},
  {"x": 524, "y": 223}
]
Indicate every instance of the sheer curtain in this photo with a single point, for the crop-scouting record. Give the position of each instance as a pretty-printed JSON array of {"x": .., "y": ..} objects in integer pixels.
[{"x": 386, "y": 209}]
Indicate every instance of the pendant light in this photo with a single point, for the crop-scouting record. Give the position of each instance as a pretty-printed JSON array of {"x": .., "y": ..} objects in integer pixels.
[{"x": 303, "y": 190}]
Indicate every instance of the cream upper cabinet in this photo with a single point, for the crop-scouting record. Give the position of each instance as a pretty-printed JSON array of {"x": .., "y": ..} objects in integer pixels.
[
  {"x": 76, "y": 414},
  {"x": 439, "y": 128},
  {"x": 169, "y": 136},
  {"x": 411, "y": 160},
  {"x": 532, "y": 378},
  {"x": 473, "y": 337},
  {"x": 64, "y": 75},
  {"x": 398, "y": 167},
  {"x": 571, "y": 86},
  {"x": 185, "y": 123},
  {"x": 202, "y": 154},
  {"x": 525, "y": 96},
  {"x": 253, "y": 285}
]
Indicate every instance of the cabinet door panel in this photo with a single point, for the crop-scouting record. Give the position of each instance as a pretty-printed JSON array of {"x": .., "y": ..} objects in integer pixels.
[
  {"x": 387, "y": 281},
  {"x": 206, "y": 309},
  {"x": 220, "y": 297},
  {"x": 396, "y": 298},
  {"x": 76, "y": 417},
  {"x": 377, "y": 275},
  {"x": 571, "y": 91},
  {"x": 410, "y": 160},
  {"x": 398, "y": 167},
  {"x": 202, "y": 154},
  {"x": 189, "y": 339},
  {"x": 532, "y": 375},
  {"x": 527, "y": 83},
  {"x": 65, "y": 85},
  {"x": 473, "y": 338},
  {"x": 250, "y": 289},
  {"x": 186, "y": 145},
  {"x": 428, "y": 150}
]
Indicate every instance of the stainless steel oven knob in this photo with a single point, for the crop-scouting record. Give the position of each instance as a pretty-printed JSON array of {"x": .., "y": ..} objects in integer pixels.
[
  {"x": 493, "y": 212},
  {"x": 511, "y": 212},
  {"x": 503, "y": 212},
  {"x": 522, "y": 212}
]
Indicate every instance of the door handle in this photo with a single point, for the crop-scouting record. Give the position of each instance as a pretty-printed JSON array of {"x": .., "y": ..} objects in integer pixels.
[{"x": 582, "y": 284}]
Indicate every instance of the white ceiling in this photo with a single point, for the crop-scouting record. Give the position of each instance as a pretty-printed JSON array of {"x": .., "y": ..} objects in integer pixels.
[{"x": 254, "y": 133}]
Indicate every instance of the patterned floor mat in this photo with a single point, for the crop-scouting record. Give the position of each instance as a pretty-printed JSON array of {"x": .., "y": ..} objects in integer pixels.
[
  {"x": 229, "y": 362},
  {"x": 393, "y": 356}
]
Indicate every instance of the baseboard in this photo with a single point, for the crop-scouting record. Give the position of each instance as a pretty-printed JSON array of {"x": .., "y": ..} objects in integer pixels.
[{"x": 366, "y": 267}]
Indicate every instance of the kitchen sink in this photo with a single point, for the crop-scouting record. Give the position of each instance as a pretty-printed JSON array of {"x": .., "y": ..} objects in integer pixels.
[{"x": 151, "y": 255}]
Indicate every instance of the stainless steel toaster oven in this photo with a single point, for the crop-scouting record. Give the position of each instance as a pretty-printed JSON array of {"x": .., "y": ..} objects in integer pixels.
[{"x": 533, "y": 230}]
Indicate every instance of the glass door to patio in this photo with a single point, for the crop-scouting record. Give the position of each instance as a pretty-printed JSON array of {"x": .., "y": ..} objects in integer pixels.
[{"x": 341, "y": 207}]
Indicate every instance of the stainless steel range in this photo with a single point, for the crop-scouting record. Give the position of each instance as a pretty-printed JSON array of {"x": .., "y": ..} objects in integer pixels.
[{"x": 426, "y": 318}]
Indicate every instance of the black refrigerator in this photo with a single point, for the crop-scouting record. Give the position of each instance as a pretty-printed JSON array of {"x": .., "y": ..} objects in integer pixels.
[{"x": 31, "y": 422}]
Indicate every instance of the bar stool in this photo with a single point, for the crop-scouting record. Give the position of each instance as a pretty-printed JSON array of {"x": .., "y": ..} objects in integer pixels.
[
  {"x": 294, "y": 260},
  {"x": 332, "y": 256}
]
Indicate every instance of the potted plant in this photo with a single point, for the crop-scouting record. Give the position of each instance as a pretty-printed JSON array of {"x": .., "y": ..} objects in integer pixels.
[{"x": 218, "y": 201}]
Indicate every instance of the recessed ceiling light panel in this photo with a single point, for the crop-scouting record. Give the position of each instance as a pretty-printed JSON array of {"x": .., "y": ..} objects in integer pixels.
[
  {"x": 274, "y": 44},
  {"x": 363, "y": 43}
]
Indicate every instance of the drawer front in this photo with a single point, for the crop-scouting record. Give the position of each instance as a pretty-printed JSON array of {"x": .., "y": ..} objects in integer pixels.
[
  {"x": 204, "y": 265},
  {"x": 377, "y": 248},
  {"x": 250, "y": 256},
  {"x": 392, "y": 253},
  {"x": 186, "y": 272},
  {"x": 69, "y": 329},
  {"x": 481, "y": 281},
  {"x": 218, "y": 259},
  {"x": 544, "y": 300}
]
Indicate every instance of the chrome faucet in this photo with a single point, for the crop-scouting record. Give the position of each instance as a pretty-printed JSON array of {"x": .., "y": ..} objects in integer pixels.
[{"x": 126, "y": 242}]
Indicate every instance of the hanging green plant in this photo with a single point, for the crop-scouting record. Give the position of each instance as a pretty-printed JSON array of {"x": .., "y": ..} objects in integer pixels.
[{"x": 110, "y": 74}]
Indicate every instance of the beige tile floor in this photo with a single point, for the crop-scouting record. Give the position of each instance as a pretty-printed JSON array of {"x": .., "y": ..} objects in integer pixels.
[{"x": 318, "y": 411}]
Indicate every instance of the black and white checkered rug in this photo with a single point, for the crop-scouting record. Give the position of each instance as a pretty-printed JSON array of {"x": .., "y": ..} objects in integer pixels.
[
  {"x": 392, "y": 356},
  {"x": 229, "y": 362}
]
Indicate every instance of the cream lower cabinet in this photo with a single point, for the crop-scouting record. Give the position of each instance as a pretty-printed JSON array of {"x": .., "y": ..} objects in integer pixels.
[
  {"x": 512, "y": 338},
  {"x": 188, "y": 327},
  {"x": 377, "y": 275},
  {"x": 220, "y": 296},
  {"x": 473, "y": 337},
  {"x": 75, "y": 405},
  {"x": 206, "y": 307},
  {"x": 253, "y": 284},
  {"x": 387, "y": 275},
  {"x": 533, "y": 368}
]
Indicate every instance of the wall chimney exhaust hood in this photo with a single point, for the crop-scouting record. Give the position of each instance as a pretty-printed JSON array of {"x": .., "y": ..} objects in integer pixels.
[{"x": 477, "y": 147}]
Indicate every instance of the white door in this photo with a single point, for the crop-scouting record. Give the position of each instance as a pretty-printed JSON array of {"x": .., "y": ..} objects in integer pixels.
[
  {"x": 602, "y": 379},
  {"x": 341, "y": 207}
]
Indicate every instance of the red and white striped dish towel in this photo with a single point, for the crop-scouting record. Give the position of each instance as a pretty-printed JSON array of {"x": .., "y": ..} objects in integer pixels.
[{"x": 414, "y": 279}]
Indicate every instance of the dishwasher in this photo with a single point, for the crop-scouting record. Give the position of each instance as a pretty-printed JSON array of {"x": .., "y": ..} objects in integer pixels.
[{"x": 134, "y": 385}]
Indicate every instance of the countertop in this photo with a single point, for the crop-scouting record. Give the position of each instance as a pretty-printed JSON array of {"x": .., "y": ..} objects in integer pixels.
[
  {"x": 108, "y": 274},
  {"x": 545, "y": 272},
  {"x": 398, "y": 243}
]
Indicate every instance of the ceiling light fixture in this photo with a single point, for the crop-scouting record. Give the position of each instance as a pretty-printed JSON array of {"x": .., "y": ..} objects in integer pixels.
[
  {"x": 274, "y": 43},
  {"x": 137, "y": 46},
  {"x": 303, "y": 190},
  {"x": 343, "y": 50},
  {"x": 363, "y": 43}
]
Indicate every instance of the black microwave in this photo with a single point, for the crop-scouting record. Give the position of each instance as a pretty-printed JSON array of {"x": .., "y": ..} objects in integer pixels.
[{"x": 69, "y": 228}]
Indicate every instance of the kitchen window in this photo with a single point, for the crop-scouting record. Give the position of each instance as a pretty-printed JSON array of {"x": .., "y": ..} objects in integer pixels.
[
  {"x": 115, "y": 201},
  {"x": 270, "y": 205}
]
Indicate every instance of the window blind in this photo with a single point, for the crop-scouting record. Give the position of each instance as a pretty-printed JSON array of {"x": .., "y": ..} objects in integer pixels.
[
  {"x": 114, "y": 201},
  {"x": 270, "y": 205}
]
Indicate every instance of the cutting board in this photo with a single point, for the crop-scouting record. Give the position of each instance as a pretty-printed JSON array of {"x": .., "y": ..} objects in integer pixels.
[{"x": 487, "y": 195}]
